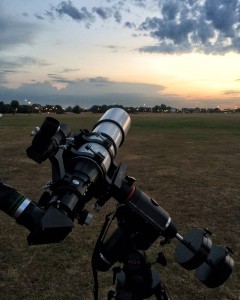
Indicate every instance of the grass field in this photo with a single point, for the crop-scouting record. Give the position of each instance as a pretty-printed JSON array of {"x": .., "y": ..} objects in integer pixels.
[{"x": 190, "y": 164}]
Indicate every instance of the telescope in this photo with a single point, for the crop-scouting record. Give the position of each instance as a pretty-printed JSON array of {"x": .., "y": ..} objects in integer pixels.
[{"x": 84, "y": 167}]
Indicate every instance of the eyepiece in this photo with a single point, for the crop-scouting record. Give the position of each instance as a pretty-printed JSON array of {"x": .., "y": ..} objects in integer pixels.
[
  {"x": 12, "y": 202},
  {"x": 16, "y": 205},
  {"x": 45, "y": 226},
  {"x": 49, "y": 127},
  {"x": 47, "y": 140}
]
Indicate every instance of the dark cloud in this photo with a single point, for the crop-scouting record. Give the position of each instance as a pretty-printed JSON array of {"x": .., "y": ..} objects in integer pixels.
[
  {"x": 59, "y": 78},
  {"x": 117, "y": 16},
  {"x": 66, "y": 8},
  {"x": 210, "y": 26},
  {"x": 106, "y": 13},
  {"x": 4, "y": 74},
  {"x": 29, "y": 60},
  {"x": 38, "y": 16},
  {"x": 99, "y": 80},
  {"x": 130, "y": 25},
  {"x": 85, "y": 92},
  {"x": 17, "y": 64},
  {"x": 179, "y": 26},
  {"x": 100, "y": 90},
  {"x": 232, "y": 92},
  {"x": 15, "y": 32},
  {"x": 20, "y": 62},
  {"x": 103, "y": 12},
  {"x": 67, "y": 70}
]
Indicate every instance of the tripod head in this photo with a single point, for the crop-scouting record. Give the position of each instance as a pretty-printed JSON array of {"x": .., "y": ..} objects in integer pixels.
[{"x": 83, "y": 168}]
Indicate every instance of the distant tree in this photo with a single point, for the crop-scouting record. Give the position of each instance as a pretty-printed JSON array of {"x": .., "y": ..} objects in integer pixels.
[
  {"x": 76, "y": 109},
  {"x": 14, "y": 105},
  {"x": 49, "y": 108},
  {"x": 23, "y": 109},
  {"x": 2, "y": 107},
  {"x": 130, "y": 109},
  {"x": 156, "y": 108},
  {"x": 104, "y": 108},
  {"x": 59, "y": 109},
  {"x": 95, "y": 109},
  {"x": 36, "y": 108},
  {"x": 168, "y": 108},
  {"x": 68, "y": 109},
  {"x": 163, "y": 107}
]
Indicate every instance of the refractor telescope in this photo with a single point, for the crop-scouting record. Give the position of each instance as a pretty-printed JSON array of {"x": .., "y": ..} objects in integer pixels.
[{"x": 84, "y": 168}]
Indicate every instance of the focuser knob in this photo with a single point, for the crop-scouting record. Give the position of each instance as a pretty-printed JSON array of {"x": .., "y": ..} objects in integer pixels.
[{"x": 130, "y": 180}]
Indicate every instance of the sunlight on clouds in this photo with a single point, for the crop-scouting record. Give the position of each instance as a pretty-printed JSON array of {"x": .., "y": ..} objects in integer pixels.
[
  {"x": 146, "y": 45},
  {"x": 192, "y": 72}
]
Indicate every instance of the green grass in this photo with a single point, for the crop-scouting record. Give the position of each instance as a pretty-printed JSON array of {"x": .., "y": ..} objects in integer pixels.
[{"x": 189, "y": 163}]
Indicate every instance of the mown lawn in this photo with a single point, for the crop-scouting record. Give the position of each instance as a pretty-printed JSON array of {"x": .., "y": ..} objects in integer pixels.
[{"x": 188, "y": 163}]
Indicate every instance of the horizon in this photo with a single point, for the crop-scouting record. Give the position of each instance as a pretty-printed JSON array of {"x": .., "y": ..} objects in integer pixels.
[{"x": 147, "y": 108}]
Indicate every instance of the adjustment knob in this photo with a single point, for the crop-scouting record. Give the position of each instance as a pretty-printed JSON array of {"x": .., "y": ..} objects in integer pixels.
[{"x": 130, "y": 180}]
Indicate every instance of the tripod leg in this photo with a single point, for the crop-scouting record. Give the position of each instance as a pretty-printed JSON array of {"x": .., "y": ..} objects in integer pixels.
[
  {"x": 111, "y": 295},
  {"x": 161, "y": 292}
]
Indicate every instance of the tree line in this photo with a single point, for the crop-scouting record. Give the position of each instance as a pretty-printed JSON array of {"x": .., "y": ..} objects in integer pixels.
[{"x": 14, "y": 107}]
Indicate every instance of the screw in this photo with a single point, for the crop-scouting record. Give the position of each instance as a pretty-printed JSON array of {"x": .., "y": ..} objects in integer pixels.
[{"x": 75, "y": 182}]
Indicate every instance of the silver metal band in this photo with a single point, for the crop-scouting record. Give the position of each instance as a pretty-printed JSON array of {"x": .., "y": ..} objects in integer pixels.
[
  {"x": 21, "y": 208},
  {"x": 168, "y": 223}
]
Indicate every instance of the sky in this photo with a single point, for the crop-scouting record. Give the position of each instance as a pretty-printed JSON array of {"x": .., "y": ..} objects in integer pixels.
[{"x": 181, "y": 53}]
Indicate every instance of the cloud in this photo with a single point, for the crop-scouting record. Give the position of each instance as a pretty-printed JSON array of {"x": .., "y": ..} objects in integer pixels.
[
  {"x": 11, "y": 65},
  {"x": 15, "y": 32},
  {"x": 140, "y": 3},
  {"x": 130, "y": 25},
  {"x": 66, "y": 8},
  {"x": 100, "y": 90},
  {"x": 59, "y": 78},
  {"x": 113, "y": 48},
  {"x": 210, "y": 27},
  {"x": 67, "y": 70},
  {"x": 103, "y": 12},
  {"x": 99, "y": 80},
  {"x": 85, "y": 92},
  {"x": 232, "y": 92},
  {"x": 176, "y": 26},
  {"x": 38, "y": 16}
]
